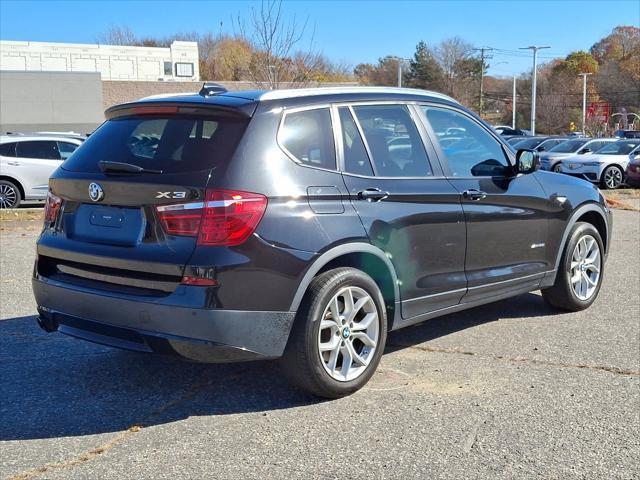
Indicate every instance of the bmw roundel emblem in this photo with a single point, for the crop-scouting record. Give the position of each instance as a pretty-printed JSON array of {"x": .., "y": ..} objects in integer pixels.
[
  {"x": 95, "y": 192},
  {"x": 346, "y": 332}
]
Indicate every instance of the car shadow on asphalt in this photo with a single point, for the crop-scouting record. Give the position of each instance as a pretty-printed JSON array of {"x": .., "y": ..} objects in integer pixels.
[{"x": 57, "y": 386}]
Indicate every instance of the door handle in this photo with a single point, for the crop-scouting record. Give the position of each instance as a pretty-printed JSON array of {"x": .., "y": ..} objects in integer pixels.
[
  {"x": 372, "y": 194},
  {"x": 14, "y": 164},
  {"x": 473, "y": 194}
]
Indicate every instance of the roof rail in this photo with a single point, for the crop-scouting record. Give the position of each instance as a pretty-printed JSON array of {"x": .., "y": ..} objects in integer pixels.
[{"x": 211, "y": 88}]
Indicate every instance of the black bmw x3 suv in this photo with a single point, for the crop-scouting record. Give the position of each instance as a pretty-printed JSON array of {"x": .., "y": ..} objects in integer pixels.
[{"x": 303, "y": 224}]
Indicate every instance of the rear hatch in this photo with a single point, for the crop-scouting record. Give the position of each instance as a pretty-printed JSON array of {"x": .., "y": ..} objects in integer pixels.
[{"x": 108, "y": 224}]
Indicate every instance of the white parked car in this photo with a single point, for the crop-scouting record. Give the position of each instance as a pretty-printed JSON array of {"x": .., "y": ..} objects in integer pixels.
[
  {"x": 27, "y": 162},
  {"x": 606, "y": 166},
  {"x": 550, "y": 160}
]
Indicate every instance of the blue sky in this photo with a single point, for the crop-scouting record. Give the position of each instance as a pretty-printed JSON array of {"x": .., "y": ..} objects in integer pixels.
[{"x": 346, "y": 31}]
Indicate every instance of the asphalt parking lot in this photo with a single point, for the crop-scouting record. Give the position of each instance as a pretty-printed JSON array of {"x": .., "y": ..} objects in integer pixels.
[{"x": 511, "y": 389}]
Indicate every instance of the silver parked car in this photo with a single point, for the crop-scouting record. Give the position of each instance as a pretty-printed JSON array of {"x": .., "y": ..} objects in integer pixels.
[
  {"x": 27, "y": 162},
  {"x": 606, "y": 166},
  {"x": 550, "y": 160}
]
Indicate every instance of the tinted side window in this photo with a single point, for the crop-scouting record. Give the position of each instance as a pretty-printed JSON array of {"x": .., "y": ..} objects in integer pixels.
[
  {"x": 393, "y": 140},
  {"x": 595, "y": 146},
  {"x": 44, "y": 149},
  {"x": 308, "y": 136},
  {"x": 470, "y": 151},
  {"x": 356, "y": 159},
  {"x": 8, "y": 149},
  {"x": 66, "y": 149}
]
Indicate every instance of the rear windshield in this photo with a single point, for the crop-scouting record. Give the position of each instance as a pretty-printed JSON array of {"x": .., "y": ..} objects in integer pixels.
[{"x": 175, "y": 143}]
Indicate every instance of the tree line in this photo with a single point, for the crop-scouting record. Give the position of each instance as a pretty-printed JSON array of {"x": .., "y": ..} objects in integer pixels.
[{"x": 269, "y": 50}]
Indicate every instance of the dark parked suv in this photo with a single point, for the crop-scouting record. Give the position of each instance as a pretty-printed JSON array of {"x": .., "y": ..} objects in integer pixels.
[{"x": 303, "y": 224}]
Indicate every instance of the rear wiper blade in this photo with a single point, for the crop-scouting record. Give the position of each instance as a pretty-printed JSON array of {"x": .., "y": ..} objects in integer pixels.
[{"x": 122, "y": 167}]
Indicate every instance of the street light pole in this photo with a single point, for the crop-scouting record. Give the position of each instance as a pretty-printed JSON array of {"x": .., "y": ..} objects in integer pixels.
[
  {"x": 513, "y": 105},
  {"x": 400, "y": 60},
  {"x": 273, "y": 76},
  {"x": 533, "y": 84},
  {"x": 584, "y": 102}
]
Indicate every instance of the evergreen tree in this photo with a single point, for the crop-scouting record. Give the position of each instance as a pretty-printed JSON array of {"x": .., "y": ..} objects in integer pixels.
[{"x": 424, "y": 70}]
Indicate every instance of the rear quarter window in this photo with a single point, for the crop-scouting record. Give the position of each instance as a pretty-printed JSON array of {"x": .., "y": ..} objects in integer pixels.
[
  {"x": 8, "y": 149},
  {"x": 308, "y": 137},
  {"x": 175, "y": 143}
]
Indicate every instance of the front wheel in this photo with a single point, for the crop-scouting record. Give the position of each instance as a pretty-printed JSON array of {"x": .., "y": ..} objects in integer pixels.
[
  {"x": 338, "y": 336},
  {"x": 557, "y": 168},
  {"x": 612, "y": 177},
  {"x": 580, "y": 271}
]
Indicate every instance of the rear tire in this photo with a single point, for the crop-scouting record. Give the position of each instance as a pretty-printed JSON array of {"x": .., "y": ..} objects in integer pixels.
[
  {"x": 9, "y": 195},
  {"x": 612, "y": 177},
  {"x": 338, "y": 336},
  {"x": 580, "y": 272}
]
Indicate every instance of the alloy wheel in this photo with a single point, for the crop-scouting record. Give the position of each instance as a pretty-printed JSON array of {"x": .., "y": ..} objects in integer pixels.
[
  {"x": 613, "y": 177},
  {"x": 349, "y": 333},
  {"x": 586, "y": 263},
  {"x": 8, "y": 196}
]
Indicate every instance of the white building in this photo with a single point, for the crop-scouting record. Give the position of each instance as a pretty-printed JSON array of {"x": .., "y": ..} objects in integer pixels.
[{"x": 179, "y": 62}]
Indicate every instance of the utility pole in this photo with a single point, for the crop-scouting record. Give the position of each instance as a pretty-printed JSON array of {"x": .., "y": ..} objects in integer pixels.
[
  {"x": 482, "y": 58},
  {"x": 513, "y": 105},
  {"x": 584, "y": 102},
  {"x": 533, "y": 84}
]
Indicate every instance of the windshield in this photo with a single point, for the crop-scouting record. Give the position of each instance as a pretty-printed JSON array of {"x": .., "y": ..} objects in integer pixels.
[
  {"x": 552, "y": 142},
  {"x": 618, "y": 148},
  {"x": 175, "y": 143},
  {"x": 528, "y": 144},
  {"x": 570, "y": 146}
]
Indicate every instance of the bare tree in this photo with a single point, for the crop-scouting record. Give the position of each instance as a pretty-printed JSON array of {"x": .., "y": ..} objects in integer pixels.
[
  {"x": 276, "y": 42},
  {"x": 449, "y": 53},
  {"x": 117, "y": 35}
]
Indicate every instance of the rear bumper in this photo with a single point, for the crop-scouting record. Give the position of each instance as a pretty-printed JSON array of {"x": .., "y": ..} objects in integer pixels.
[{"x": 207, "y": 335}]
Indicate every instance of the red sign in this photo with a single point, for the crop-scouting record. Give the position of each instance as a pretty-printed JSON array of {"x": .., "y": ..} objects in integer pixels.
[{"x": 598, "y": 111}]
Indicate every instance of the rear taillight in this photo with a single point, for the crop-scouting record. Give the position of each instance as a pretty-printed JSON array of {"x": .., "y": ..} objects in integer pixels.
[
  {"x": 225, "y": 218},
  {"x": 51, "y": 208}
]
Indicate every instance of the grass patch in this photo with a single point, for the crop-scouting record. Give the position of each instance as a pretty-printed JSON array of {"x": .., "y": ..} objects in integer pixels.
[
  {"x": 622, "y": 193},
  {"x": 623, "y": 198},
  {"x": 21, "y": 214}
]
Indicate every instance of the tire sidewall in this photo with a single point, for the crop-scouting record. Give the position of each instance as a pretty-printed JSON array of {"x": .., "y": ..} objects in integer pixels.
[
  {"x": 318, "y": 304},
  {"x": 580, "y": 230}
]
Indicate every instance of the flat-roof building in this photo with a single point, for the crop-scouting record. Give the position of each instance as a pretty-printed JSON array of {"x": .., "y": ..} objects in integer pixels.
[{"x": 178, "y": 62}]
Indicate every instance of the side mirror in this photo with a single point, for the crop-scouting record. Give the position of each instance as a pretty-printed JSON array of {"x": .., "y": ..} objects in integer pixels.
[
  {"x": 527, "y": 161},
  {"x": 584, "y": 150},
  {"x": 540, "y": 149}
]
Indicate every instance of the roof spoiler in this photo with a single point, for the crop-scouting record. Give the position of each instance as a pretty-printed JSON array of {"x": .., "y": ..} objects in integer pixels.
[{"x": 211, "y": 88}]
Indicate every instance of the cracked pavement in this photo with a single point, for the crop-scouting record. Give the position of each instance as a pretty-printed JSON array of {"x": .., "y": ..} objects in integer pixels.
[{"x": 510, "y": 389}]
